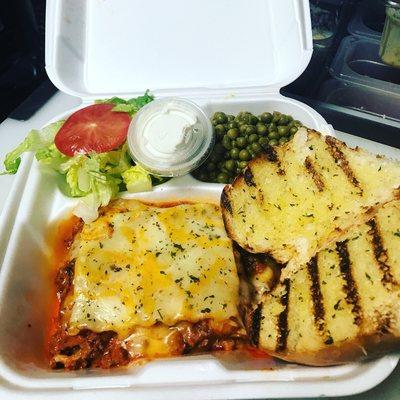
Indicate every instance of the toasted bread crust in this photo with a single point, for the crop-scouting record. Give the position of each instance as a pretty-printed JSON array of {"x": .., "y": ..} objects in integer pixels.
[{"x": 361, "y": 348}]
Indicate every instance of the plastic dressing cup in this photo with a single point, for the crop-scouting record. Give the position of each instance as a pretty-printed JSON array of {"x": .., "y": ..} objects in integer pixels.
[{"x": 170, "y": 137}]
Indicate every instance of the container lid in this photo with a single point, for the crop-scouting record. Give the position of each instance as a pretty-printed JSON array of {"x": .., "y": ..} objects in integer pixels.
[
  {"x": 170, "y": 136},
  {"x": 102, "y": 48}
]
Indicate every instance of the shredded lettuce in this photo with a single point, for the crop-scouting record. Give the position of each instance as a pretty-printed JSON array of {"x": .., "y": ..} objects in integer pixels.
[
  {"x": 86, "y": 179},
  {"x": 94, "y": 178},
  {"x": 137, "y": 179}
]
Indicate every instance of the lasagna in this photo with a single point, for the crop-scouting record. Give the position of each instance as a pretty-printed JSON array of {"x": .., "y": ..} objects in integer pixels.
[{"x": 145, "y": 281}]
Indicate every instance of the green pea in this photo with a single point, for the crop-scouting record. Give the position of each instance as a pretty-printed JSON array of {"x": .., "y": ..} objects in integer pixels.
[
  {"x": 293, "y": 130},
  {"x": 248, "y": 147},
  {"x": 222, "y": 177},
  {"x": 226, "y": 156},
  {"x": 297, "y": 123},
  {"x": 234, "y": 144},
  {"x": 276, "y": 116},
  {"x": 244, "y": 155},
  {"x": 233, "y": 125},
  {"x": 220, "y": 117},
  {"x": 283, "y": 140},
  {"x": 243, "y": 117},
  {"x": 230, "y": 118},
  {"x": 243, "y": 128},
  {"x": 242, "y": 164},
  {"x": 233, "y": 133},
  {"x": 272, "y": 126},
  {"x": 256, "y": 148},
  {"x": 263, "y": 141},
  {"x": 253, "y": 120},
  {"x": 241, "y": 142},
  {"x": 283, "y": 120},
  {"x": 266, "y": 117},
  {"x": 234, "y": 153},
  {"x": 259, "y": 124},
  {"x": 253, "y": 138},
  {"x": 230, "y": 165},
  {"x": 220, "y": 130},
  {"x": 273, "y": 142},
  {"x": 273, "y": 135},
  {"x": 211, "y": 167},
  {"x": 283, "y": 130},
  {"x": 226, "y": 142},
  {"x": 250, "y": 130},
  {"x": 262, "y": 129}
]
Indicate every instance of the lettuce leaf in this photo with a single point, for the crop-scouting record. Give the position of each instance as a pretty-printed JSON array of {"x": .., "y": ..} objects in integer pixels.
[
  {"x": 37, "y": 141},
  {"x": 130, "y": 106},
  {"x": 86, "y": 178},
  {"x": 137, "y": 179}
]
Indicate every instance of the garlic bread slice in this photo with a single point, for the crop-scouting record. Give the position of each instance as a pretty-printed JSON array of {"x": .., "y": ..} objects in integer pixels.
[
  {"x": 295, "y": 199},
  {"x": 342, "y": 305}
]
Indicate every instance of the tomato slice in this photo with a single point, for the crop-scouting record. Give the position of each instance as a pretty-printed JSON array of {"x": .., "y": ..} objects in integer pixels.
[{"x": 95, "y": 128}]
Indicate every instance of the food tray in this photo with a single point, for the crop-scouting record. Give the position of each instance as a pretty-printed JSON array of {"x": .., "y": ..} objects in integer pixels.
[
  {"x": 362, "y": 98},
  {"x": 90, "y": 55},
  {"x": 34, "y": 204},
  {"x": 357, "y": 60}
]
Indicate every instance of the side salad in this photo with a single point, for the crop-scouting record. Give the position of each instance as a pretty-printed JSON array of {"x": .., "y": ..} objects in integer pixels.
[{"x": 89, "y": 152}]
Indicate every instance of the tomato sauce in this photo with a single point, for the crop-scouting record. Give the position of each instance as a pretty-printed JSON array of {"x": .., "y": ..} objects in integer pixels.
[{"x": 60, "y": 238}]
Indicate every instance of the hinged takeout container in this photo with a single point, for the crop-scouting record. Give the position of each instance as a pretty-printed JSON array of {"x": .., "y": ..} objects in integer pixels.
[{"x": 226, "y": 56}]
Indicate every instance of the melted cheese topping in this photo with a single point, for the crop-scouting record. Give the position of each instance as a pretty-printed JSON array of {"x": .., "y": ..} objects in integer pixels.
[{"x": 140, "y": 264}]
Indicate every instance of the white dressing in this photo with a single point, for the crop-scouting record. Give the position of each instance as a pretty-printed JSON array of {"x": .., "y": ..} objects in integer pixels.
[{"x": 167, "y": 132}]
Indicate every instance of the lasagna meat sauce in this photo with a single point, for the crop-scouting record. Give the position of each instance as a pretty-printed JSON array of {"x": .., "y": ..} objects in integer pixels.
[{"x": 146, "y": 281}]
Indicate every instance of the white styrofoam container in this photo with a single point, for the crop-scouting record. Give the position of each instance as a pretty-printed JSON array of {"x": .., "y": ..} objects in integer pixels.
[{"x": 223, "y": 55}]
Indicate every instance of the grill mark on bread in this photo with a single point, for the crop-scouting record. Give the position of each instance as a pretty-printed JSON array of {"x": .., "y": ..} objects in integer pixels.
[
  {"x": 272, "y": 156},
  {"x": 380, "y": 253},
  {"x": 256, "y": 317},
  {"x": 270, "y": 152},
  {"x": 249, "y": 177},
  {"x": 316, "y": 295},
  {"x": 317, "y": 178},
  {"x": 225, "y": 202},
  {"x": 283, "y": 318},
  {"x": 349, "y": 286},
  {"x": 384, "y": 323},
  {"x": 341, "y": 161}
]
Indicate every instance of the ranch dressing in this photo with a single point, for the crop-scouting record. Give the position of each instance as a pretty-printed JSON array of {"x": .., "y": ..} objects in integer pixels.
[{"x": 170, "y": 137}]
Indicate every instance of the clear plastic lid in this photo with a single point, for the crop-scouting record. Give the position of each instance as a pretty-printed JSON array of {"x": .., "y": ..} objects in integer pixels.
[{"x": 170, "y": 137}]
